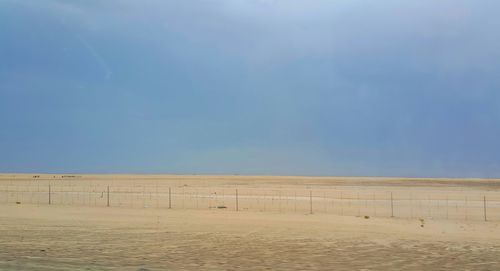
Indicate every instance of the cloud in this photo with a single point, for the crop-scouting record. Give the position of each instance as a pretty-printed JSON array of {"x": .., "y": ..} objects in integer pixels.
[{"x": 348, "y": 87}]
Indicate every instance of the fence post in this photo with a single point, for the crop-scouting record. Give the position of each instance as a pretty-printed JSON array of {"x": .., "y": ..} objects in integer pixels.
[
  {"x": 392, "y": 206},
  {"x": 196, "y": 197},
  {"x": 295, "y": 202},
  {"x": 169, "y": 198},
  {"x": 236, "y": 200},
  {"x": 50, "y": 200},
  {"x": 279, "y": 200},
  {"x": 157, "y": 199},
  {"x": 466, "y": 209},
  {"x": 108, "y": 195},
  {"x": 447, "y": 212},
  {"x": 310, "y": 202},
  {"x": 341, "y": 203},
  {"x": 358, "y": 203},
  {"x": 484, "y": 205},
  {"x": 143, "y": 196}
]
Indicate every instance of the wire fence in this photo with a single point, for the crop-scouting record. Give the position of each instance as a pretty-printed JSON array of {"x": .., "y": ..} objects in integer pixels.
[{"x": 456, "y": 205}]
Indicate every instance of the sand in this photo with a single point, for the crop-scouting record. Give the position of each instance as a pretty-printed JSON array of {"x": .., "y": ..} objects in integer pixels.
[{"x": 88, "y": 235}]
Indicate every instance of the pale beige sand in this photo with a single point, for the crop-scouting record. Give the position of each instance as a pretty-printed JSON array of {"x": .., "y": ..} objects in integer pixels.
[
  {"x": 376, "y": 197},
  {"x": 64, "y": 236}
]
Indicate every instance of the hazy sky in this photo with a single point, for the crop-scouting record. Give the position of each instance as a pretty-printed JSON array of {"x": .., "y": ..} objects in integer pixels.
[{"x": 308, "y": 87}]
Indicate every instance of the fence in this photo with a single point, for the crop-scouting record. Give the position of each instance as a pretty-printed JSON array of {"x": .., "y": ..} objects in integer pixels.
[{"x": 457, "y": 205}]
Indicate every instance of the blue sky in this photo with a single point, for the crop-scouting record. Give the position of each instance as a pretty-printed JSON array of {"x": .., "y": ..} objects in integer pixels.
[{"x": 295, "y": 87}]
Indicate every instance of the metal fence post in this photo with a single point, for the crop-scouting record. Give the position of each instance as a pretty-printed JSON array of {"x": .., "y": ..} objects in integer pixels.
[
  {"x": 310, "y": 202},
  {"x": 169, "y": 198},
  {"x": 447, "y": 211},
  {"x": 392, "y": 206},
  {"x": 484, "y": 205},
  {"x": 236, "y": 200}
]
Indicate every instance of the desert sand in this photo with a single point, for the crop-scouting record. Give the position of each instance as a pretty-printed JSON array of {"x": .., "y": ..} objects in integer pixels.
[{"x": 168, "y": 222}]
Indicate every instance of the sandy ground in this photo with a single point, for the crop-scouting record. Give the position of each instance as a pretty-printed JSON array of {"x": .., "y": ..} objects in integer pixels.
[
  {"x": 452, "y": 199},
  {"x": 95, "y": 237}
]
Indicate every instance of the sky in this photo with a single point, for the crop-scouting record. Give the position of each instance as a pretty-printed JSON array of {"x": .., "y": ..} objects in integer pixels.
[{"x": 258, "y": 87}]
